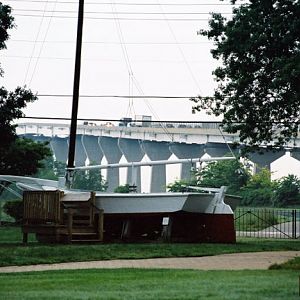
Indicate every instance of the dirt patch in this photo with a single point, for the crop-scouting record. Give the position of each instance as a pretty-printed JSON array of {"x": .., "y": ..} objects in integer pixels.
[{"x": 235, "y": 261}]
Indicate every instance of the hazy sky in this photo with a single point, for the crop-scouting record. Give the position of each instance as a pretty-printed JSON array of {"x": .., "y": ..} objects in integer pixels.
[
  {"x": 145, "y": 47},
  {"x": 130, "y": 47}
]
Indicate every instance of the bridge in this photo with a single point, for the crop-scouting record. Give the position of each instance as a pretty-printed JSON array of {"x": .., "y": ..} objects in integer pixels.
[{"x": 157, "y": 142}]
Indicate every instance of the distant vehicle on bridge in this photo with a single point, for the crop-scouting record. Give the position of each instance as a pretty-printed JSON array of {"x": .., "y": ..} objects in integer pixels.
[
  {"x": 143, "y": 121},
  {"x": 139, "y": 121},
  {"x": 125, "y": 122}
]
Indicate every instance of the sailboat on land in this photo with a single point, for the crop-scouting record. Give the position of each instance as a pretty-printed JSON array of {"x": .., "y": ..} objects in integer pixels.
[
  {"x": 202, "y": 216},
  {"x": 57, "y": 213}
]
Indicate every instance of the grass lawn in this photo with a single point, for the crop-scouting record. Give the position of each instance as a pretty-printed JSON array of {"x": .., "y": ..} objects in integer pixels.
[
  {"x": 12, "y": 252},
  {"x": 292, "y": 264},
  {"x": 150, "y": 284}
]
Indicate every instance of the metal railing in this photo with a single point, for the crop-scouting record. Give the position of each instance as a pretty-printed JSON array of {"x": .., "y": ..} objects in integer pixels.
[{"x": 267, "y": 223}]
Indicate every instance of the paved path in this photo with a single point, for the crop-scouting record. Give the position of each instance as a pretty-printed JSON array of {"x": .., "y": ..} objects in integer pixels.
[
  {"x": 236, "y": 261},
  {"x": 282, "y": 230}
]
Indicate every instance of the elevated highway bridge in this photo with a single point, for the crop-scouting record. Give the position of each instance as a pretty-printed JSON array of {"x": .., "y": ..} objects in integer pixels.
[{"x": 185, "y": 141}]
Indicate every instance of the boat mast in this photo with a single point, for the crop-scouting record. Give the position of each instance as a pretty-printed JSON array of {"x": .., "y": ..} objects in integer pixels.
[{"x": 72, "y": 142}]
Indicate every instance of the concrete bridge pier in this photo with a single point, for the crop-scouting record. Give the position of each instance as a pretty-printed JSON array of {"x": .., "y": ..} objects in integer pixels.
[
  {"x": 216, "y": 149},
  {"x": 92, "y": 148},
  {"x": 80, "y": 153},
  {"x": 264, "y": 159},
  {"x": 133, "y": 152},
  {"x": 60, "y": 148},
  {"x": 157, "y": 151},
  {"x": 295, "y": 153},
  {"x": 113, "y": 154},
  {"x": 187, "y": 151}
]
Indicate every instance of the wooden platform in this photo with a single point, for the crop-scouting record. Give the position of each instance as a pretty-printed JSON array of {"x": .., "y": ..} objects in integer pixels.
[{"x": 58, "y": 218}]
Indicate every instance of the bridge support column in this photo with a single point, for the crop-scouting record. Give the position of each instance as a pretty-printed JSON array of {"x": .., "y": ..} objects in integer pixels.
[
  {"x": 295, "y": 153},
  {"x": 133, "y": 152},
  {"x": 187, "y": 151},
  {"x": 80, "y": 154},
  {"x": 264, "y": 159},
  {"x": 112, "y": 153},
  {"x": 216, "y": 149},
  {"x": 60, "y": 147},
  {"x": 92, "y": 148},
  {"x": 157, "y": 151}
]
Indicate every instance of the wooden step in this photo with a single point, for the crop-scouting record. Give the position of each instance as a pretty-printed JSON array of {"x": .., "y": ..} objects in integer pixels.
[
  {"x": 86, "y": 241},
  {"x": 83, "y": 233},
  {"x": 83, "y": 230}
]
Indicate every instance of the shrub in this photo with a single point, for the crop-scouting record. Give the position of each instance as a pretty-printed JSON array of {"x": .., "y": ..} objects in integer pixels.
[
  {"x": 230, "y": 173},
  {"x": 14, "y": 209},
  {"x": 259, "y": 190},
  {"x": 287, "y": 191},
  {"x": 122, "y": 189},
  {"x": 181, "y": 186}
]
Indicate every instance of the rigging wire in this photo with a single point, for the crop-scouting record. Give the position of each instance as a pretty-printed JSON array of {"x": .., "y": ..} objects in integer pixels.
[
  {"x": 126, "y": 57},
  {"x": 128, "y": 3},
  {"x": 117, "y": 96},
  {"x": 180, "y": 50},
  {"x": 223, "y": 136},
  {"x": 111, "y": 42},
  {"x": 102, "y": 59},
  {"x": 163, "y": 126},
  {"x": 113, "y": 19},
  {"x": 130, "y": 71},
  {"x": 117, "y": 120},
  {"x": 35, "y": 44},
  {"x": 42, "y": 45},
  {"x": 120, "y": 12},
  {"x": 11, "y": 190}
]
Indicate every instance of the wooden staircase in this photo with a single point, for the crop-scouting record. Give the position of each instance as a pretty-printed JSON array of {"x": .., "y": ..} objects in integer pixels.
[
  {"x": 84, "y": 225},
  {"x": 56, "y": 217}
]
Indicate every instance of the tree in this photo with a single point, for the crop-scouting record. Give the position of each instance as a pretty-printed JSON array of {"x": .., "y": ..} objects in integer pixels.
[
  {"x": 90, "y": 180},
  {"x": 258, "y": 90},
  {"x": 17, "y": 156},
  {"x": 23, "y": 157},
  {"x": 287, "y": 191},
  {"x": 6, "y": 23},
  {"x": 230, "y": 173},
  {"x": 51, "y": 169},
  {"x": 259, "y": 190}
]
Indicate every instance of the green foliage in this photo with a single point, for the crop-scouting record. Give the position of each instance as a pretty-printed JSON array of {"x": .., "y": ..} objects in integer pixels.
[
  {"x": 11, "y": 105},
  {"x": 6, "y": 22},
  {"x": 122, "y": 189},
  {"x": 258, "y": 92},
  {"x": 23, "y": 157},
  {"x": 230, "y": 173},
  {"x": 287, "y": 191},
  {"x": 51, "y": 169},
  {"x": 90, "y": 180},
  {"x": 14, "y": 209},
  {"x": 292, "y": 264},
  {"x": 259, "y": 190},
  {"x": 181, "y": 186},
  {"x": 256, "y": 190},
  {"x": 17, "y": 156}
]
